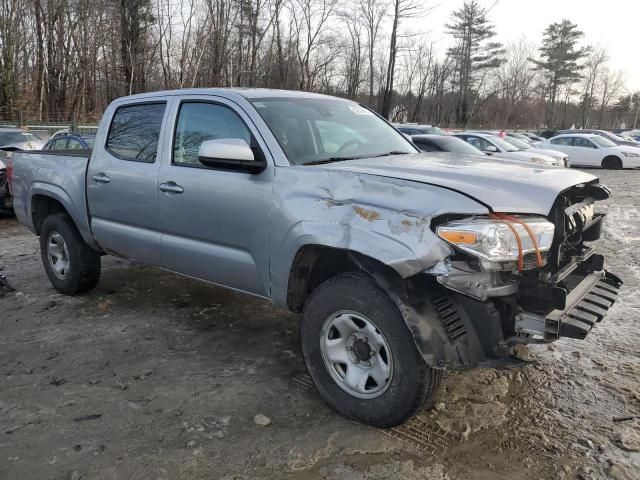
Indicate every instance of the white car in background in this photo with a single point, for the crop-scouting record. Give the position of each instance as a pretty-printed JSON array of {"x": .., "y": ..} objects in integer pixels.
[
  {"x": 592, "y": 150},
  {"x": 498, "y": 148},
  {"x": 17, "y": 139},
  {"x": 524, "y": 146}
]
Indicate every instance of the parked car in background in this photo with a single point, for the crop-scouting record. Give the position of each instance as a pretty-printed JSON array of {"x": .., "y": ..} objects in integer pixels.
[
  {"x": 588, "y": 149},
  {"x": 534, "y": 137},
  {"x": 618, "y": 140},
  {"x": 519, "y": 136},
  {"x": 416, "y": 129},
  {"x": 524, "y": 146},
  {"x": 634, "y": 134},
  {"x": 445, "y": 143},
  {"x": 499, "y": 148},
  {"x": 5, "y": 197},
  {"x": 70, "y": 141},
  {"x": 12, "y": 138}
]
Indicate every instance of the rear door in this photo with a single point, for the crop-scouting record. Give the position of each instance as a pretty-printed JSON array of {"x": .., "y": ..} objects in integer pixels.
[
  {"x": 122, "y": 181},
  {"x": 214, "y": 222}
]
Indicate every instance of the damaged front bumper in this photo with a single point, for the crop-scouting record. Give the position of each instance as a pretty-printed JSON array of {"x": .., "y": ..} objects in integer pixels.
[
  {"x": 580, "y": 309},
  {"x": 456, "y": 329}
]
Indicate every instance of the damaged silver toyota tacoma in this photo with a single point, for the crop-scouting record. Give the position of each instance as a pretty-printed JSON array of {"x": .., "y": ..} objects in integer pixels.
[{"x": 402, "y": 264}]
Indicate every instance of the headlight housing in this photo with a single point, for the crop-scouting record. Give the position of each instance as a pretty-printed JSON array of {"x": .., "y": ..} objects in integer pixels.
[
  {"x": 493, "y": 241},
  {"x": 631, "y": 154}
]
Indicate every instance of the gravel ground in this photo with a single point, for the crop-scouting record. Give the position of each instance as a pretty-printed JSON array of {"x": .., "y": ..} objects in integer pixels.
[{"x": 154, "y": 376}]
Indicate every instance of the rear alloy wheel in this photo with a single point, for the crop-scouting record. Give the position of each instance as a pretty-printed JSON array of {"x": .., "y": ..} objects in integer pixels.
[
  {"x": 612, "y": 163},
  {"x": 361, "y": 355}
]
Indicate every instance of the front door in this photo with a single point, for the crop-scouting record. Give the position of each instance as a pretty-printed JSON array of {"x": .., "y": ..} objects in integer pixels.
[
  {"x": 586, "y": 152},
  {"x": 214, "y": 222},
  {"x": 122, "y": 182}
]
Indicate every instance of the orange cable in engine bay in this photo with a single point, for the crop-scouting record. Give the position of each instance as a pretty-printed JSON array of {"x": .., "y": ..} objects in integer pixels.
[
  {"x": 504, "y": 216},
  {"x": 518, "y": 239}
]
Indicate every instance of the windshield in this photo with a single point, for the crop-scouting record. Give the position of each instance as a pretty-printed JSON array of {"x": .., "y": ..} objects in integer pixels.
[
  {"x": 7, "y": 138},
  {"x": 516, "y": 142},
  {"x": 455, "y": 145},
  {"x": 601, "y": 141},
  {"x": 507, "y": 147},
  {"x": 312, "y": 130}
]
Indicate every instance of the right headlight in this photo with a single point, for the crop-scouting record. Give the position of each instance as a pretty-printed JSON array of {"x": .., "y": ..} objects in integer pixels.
[{"x": 493, "y": 240}]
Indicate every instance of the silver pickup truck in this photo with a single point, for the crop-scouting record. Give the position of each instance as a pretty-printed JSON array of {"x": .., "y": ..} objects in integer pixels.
[{"x": 402, "y": 264}]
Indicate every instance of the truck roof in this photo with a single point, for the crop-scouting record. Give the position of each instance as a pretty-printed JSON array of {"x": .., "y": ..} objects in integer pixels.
[{"x": 248, "y": 93}]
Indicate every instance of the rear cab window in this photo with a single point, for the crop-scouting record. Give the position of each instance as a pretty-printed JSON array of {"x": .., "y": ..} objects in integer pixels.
[{"x": 134, "y": 132}]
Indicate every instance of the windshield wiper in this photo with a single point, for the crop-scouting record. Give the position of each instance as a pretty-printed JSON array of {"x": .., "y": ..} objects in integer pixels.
[
  {"x": 332, "y": 159},
  {"x": 354, "y": 157},
  {"x": 392, "y": 152}
]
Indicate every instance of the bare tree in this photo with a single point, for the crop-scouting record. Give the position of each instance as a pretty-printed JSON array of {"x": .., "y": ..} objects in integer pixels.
[
  {"x": 594, "y": 65},
  {"x": 611, "y": 83}
]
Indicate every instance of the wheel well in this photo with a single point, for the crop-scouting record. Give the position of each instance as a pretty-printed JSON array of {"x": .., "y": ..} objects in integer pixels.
[
  {"x": 43, "y": 206},
  {"x": 313, "y": 264}
]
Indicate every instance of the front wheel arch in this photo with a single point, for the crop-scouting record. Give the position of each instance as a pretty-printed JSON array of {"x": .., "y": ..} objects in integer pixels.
[{"x": 612, "y": 162}]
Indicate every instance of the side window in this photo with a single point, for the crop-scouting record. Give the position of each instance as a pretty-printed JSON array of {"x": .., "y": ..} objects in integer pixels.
[
  {"x": 582, "y": 142},
  {"x": 479, "y": 143},
  {"x": 561, "y": 141},
  {"x": 74, "y": 144},
  {"x": 60, "y": 144},
  {"x": 198, "y": 122},
  {"x": 135, "y": 131}
]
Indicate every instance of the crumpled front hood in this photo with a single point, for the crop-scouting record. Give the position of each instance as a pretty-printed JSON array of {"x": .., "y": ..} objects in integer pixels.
[{"x": 502, "y": 185}]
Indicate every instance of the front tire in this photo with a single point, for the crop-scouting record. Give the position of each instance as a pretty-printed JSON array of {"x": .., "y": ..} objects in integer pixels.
[
  {"x": 612, "y": 163},
  {"x": 71, "y": 265},
  {"x": 361, "y": 355}
]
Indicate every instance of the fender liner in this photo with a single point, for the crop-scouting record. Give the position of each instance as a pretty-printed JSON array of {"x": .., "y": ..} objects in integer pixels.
[{"x": 444, "y": 331}]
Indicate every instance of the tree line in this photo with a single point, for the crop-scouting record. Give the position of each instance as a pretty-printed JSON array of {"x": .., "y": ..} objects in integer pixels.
[{"x": 65, "y": 60}]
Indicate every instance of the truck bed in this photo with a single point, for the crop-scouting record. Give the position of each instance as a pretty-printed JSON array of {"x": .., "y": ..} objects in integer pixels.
[{"x": 59, "y": 174}]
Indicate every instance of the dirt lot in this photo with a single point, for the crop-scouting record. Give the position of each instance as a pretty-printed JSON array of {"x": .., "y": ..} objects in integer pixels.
[{"x": 154, "y": 376}]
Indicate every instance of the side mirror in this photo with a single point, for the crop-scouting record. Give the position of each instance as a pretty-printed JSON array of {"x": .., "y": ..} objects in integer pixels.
[
  {"x": 490, "y": 149},
  {"x": 232, "y": 154}
]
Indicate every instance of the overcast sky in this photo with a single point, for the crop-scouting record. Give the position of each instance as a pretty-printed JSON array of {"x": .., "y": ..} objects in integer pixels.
[{"x": 614, "y": 24}]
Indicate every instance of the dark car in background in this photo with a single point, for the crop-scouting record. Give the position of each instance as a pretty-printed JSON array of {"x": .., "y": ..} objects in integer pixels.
[
  {"x": 445, "y": 143},
  {"x": 70, "y": 141},
  {"x": 417, "y": 129}
]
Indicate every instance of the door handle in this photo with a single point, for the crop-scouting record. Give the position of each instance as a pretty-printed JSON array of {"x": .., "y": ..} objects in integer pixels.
[
  {"x": 101, "y": 178},
  {"x": 171, "y": 187}
]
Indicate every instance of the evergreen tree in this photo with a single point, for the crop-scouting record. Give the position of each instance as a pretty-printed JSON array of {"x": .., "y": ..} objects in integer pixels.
[
  {"x": 560, "y": 60},
  {"x": 473, "y": 53}
]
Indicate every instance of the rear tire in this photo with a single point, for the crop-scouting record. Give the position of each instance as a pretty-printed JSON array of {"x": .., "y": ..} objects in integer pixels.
[
  {"x": 374, "y": 318},
  {"x": 71, "y": 265},
  {"x": 612, "y": 163}
]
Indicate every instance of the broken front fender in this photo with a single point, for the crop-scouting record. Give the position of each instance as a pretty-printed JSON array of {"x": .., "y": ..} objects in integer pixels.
[{"x": 382, "y": 218}]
